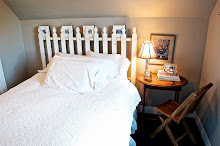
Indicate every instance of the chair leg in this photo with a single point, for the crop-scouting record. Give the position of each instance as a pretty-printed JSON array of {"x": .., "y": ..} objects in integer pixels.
[
  {"x": 169, "y": 133},
  {"x": 188, "y": 131},
  {"x": 158, "y": 128}
]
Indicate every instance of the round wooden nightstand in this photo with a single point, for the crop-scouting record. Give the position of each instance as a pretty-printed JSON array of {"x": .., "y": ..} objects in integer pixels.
[{"x": 162, "y": 85}]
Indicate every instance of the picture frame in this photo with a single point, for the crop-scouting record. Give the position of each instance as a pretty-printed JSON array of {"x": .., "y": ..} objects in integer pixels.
[
  {"x": 90, "y": 28},
  {"x": 118, "y": 30},
  {"x": 170, "y": 68},
  {"x": 163, "y": 45}
]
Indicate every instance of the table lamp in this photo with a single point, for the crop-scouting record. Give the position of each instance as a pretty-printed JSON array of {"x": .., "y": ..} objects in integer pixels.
[{"x": 147, "y": 52}]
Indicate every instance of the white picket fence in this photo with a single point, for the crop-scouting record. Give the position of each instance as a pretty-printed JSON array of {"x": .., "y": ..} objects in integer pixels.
[{"x": 66, "y": 38}]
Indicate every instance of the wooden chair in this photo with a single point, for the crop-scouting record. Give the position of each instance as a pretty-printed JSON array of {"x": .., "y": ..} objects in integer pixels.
[{"x": 177, "y": 112}]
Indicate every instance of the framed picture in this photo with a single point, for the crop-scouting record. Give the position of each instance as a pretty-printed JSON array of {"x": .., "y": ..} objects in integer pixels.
[
  {"x": 118, "y": 30},
  {"x": 170, "y": 68},
  {"x": 163, "y": 46},
  {"x": 90, "y": 28}
]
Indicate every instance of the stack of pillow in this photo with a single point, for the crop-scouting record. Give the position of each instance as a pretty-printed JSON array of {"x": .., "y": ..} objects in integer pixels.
[{"x": 84, "y": 73}]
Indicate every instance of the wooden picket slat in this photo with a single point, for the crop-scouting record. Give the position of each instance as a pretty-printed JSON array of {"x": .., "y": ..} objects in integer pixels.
[
  {"x": 71, "y": 43},
  {"x": 41, "y": 44},
  {"x": 63, "y": 40},
  {"x": 114, "y": 41},
  {"x": 78, "y": 41},
  {"x": 87, "y": 39},
  {"x": 133, "y": 56},
  {"x": 55, "y": 41},
  {"x": 96, "y": 40},
  {"x": 49, "y": 51},
  {"x": 105, "y": 41},
  {"x": 123, "y": 43}
]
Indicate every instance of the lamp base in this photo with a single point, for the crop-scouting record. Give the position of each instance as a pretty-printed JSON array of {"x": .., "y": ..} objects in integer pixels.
[{"x": 148, "y": 75}]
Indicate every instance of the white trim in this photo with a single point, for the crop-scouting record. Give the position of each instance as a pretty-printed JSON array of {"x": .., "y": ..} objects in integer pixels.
[
  {"x": 202, "y": 130},
  {"x": 151, "y": 110},
  {"x": 3, "y": 86}
]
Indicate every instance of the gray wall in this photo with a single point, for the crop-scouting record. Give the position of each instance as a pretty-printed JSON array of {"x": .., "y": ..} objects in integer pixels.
[
  {"x": 60, "y": 9},
  {"x": 209, "y": 109},
  {"x": 188, "y": 53},
  {"x": 11, "y": 47}
]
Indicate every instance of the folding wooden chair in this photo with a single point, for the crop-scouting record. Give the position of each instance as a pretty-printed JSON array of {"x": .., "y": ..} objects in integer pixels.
[{"x": 177, "y": 112}]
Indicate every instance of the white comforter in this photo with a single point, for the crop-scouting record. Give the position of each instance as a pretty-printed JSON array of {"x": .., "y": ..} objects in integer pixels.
[{"x": 34, "y": 115}]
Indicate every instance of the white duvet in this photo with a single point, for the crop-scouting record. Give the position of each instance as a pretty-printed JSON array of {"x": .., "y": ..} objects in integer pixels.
[{"x": 32, "y": 115}]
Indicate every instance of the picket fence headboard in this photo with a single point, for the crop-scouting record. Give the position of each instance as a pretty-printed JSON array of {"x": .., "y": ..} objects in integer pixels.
[{"x": 66, "y": 42}]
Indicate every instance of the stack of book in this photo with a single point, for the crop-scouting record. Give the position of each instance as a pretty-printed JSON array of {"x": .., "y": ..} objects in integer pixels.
[{"x": 164, "y": 76}]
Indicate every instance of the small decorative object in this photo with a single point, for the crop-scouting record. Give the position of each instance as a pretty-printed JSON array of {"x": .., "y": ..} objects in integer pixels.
[
  {"x": 44, "y": 30},
  {"x": 90, "y": 30},
  {"x": 147, "y": 52},
  {"x": 170, "y": 68},
  {"x": 148, "y": 75},
  {"x": 118, "y": 30},
  {"x": 66, "y": 30},
  {"x": 163, "y": 46}
]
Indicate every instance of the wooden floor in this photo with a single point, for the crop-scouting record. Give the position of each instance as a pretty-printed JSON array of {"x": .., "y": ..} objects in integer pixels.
[{"x": 151, "y": 122}]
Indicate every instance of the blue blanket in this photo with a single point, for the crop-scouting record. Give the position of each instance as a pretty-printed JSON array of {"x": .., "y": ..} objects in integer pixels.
[{"x": 133, "y": 129}]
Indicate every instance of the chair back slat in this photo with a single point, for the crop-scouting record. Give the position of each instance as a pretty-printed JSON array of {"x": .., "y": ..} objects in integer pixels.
[
  {"x": 200, "y": 94},
  {"x": 190, "y": 104}
]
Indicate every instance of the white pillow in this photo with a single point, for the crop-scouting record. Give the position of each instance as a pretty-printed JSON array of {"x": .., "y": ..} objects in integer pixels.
[
  {"x": 107, "y": 64},
  {"x": 124, "y": 68},
  {"x": 123, "y": 63},
  {"x": 80, "y": 76}
]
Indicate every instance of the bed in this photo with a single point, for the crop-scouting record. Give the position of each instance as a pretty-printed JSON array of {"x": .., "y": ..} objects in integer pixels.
[{"x": 34, "y": 114}]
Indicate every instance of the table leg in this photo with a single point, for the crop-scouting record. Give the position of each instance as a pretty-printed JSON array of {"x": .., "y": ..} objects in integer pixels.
[
  {"x": 145, "y": 87},
  {"x": 177, "y": 96}
]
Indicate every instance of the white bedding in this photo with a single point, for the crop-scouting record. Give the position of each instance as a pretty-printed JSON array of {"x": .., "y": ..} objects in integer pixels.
[{"x": 34, "y": 115}]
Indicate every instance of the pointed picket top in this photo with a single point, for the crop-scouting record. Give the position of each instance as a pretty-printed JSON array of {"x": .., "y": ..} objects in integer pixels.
[
  {"x": 104, "y": 30},
  {"x": 123, "y": 30},
  {"x": 95, "y": 30},
  {"x": 62, "y": 31},
  {"x": 54, "y": 30},
  {"x": 134, "y": 30},
  {"x": 77, "y": 30}
]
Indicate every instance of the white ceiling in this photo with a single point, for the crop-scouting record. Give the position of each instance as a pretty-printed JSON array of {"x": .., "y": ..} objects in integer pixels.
[{"x": 54, "y": 9}]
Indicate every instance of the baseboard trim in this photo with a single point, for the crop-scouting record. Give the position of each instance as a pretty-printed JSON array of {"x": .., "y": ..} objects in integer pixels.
[
  {"x": 151, "y": 110},
  {"x": 202, "y": 130}
]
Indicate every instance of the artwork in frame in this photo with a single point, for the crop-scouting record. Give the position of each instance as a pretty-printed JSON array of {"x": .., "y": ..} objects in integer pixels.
[
  {"x": 163, "y": 45},
  {"x": 118, "y": 30},
  {"x": 90, "y": 30},
  {"x": 170, "y": 68}
]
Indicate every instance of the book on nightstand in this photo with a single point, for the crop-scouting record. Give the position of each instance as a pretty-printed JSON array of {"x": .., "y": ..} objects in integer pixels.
[{"x": 164, "y": 76}]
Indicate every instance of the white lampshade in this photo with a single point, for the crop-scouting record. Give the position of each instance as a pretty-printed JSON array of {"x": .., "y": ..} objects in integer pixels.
[{"x": 147, "y": 51}]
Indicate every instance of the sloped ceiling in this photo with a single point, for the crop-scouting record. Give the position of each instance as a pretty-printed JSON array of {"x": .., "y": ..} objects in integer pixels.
[{"x": 54, "y": 9}]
